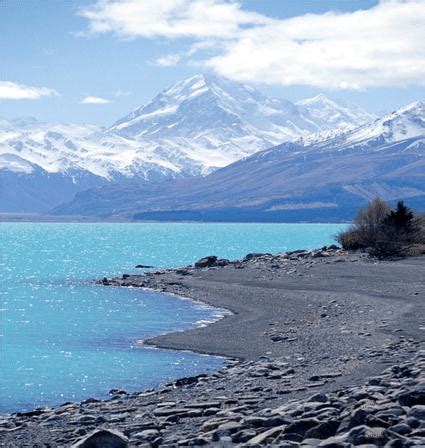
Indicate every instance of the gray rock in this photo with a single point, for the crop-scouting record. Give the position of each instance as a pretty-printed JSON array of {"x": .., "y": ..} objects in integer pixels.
[
  {"x": 226, "y": 429},
  {"x": 357, "y": 436},
  {"x": 211, "y": 411},
  {"x": 401, "y": 428},
  {"x": 214, "y": 423},
  {"x": 412, "y": 422},
  {"x": 265, "y": 422},
  {"x": 413, "y": 397},
  {"x": 243, "y": 436},
  {"x": 418, "y": 433},
  {"x": 261, "y": 439},
  {"x": 255, "y": 421},
  {"x": 206, "y": 262},
  {"x": 302, "y": 426},
  {"x": 252, "y": 256},
  {"x": 417, "y": 412},
  {"x": 103, "y": 438},
  {"x": 165, "y": 412},
  {"x": 90, "y": 419},
  {"x": 204, "y": 405},
  {"x": 148, "y": 434},
  {"x": 323, "y": 430},
  {"x": 320, "y": 398}
]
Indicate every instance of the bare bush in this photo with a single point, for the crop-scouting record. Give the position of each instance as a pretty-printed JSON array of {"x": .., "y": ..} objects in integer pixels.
[{"x": 384, "y": 232}]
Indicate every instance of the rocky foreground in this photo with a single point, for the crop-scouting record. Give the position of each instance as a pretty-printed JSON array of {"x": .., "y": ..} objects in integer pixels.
[
  {"x": 389, "y": 410},
  {"x": 323, "y": 348}
]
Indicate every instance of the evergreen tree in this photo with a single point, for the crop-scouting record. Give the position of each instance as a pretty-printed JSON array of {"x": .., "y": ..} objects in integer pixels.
[{"x": 400, "y": 219}]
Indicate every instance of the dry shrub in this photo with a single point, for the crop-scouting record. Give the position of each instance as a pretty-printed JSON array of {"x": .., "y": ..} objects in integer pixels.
[{"x": 384, "y": 232}]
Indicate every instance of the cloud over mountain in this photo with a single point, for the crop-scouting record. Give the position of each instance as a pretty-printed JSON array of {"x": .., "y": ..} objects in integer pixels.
[
  {"x": 170, "y": 18},
  {"x": 375, "y": 47}
]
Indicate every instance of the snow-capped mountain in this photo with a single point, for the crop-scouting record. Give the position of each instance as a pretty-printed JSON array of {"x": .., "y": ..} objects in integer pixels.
[
  {"x": 50, "y": 147},
  {"x": 192, "y": 128},
  {"x": 327, "y": 180},
  {"x": 203, "y": 114},
  {"x": 328, "y": 114},
  {"x": 202, "y": 105},
  {"x": 404, "y": 123}
]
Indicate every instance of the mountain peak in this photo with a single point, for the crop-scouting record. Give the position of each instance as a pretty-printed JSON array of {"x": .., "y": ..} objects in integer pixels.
[
  {"x": 404, "y": 123},
  {"x": 219, "y": 109},
  {"x": 194, "y": 84},
  {"x": 412, "y": 112},
  {"x": 416, "y": 107},
  {"x": 326, "y": 111},
  {"x": 207, "y": 83},
  {"x": 321, "y": 98}
]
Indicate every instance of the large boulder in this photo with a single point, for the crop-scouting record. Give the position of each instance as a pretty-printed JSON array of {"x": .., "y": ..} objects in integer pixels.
[
  {"x": 253, "y": 255},
  {"x": 413, "y": 396},
  {"x": 362, "y": 434},
  {"x": 103, "y": 438},
  {"x": 206, "y": 262}
]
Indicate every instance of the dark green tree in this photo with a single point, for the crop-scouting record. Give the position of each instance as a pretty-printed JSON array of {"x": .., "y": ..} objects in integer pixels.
[{"x": 400, "y": 219}]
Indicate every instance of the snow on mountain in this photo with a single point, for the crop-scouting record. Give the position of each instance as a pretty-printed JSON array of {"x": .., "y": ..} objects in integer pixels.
[
  {"x": 203, "y": 114},
  {"x": 191, "y": 128},
  {"x": 327, "y": 180},
  {"x": 59, "y": 148},
  {"x": 329, "y": 114},
  {"x": 202, "y": 105},
  {"x": 48, "y": 146},
  {"x": 407, "y": 122}
]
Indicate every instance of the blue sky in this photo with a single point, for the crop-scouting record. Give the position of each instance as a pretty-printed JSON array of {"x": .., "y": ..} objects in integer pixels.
[{"x": 92, "y": 62}]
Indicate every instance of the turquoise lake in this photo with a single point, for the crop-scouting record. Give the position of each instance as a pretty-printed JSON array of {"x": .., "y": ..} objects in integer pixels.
[{"x": 63, "y": 338}]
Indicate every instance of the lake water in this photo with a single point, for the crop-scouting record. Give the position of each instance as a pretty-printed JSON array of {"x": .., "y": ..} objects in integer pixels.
[{"x": 63, "y": 338}]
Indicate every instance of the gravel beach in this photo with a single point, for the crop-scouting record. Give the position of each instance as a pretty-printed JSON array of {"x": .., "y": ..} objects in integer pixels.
[{"x": 313, "y": 339}]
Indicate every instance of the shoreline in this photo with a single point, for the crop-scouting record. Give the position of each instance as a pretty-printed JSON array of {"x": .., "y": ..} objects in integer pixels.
[
  {"x": 205, "y": 284},
  {"x": 308, "y": 329},
  {"x": 149, "y": 343}
]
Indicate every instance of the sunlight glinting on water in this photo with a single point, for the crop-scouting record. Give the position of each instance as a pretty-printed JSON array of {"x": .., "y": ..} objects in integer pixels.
[{"x": 65, "y": 339}]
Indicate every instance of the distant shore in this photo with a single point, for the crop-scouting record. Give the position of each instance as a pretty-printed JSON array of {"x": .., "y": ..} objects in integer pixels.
[
  {"x": 302, "y": 323},
  {"x": 35, "y": 217},
  {"x": 39, "y": 217}
]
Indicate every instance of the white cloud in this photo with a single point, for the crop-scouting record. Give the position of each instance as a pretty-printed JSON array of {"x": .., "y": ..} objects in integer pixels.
[
  {"x": 170, "y": 18},
  {"x": 375, "y": 47},
  {"x": 168, "y": 61},
  {"x": 94, "y": 100},
  {"x": 13, "y": 91},
  {"x": 380, "y": 46}
]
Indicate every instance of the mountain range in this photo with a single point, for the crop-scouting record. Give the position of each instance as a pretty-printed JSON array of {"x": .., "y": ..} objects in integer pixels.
[
  {"x": 316, "y": 179},
  {"x": 192, "y": 128}
]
